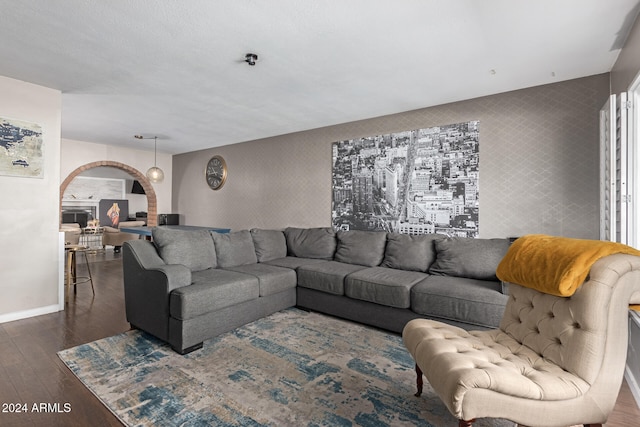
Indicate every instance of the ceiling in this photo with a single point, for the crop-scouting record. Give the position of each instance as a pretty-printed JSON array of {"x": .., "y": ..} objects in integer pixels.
[{"x": 176, "y": 70}]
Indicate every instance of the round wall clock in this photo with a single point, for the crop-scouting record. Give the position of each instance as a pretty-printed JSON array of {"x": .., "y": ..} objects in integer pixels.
[{"x": 216, "y": 173}]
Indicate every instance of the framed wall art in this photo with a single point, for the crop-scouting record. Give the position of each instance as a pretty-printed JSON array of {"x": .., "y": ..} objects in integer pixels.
[
  {"x": 420, "y": 181},
  {"x": 21, "y": 148}
]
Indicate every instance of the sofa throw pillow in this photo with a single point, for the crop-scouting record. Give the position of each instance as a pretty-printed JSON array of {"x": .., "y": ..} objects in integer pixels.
[
  {"x": 413, "y": 253},
  {"x": 311, "y": 242},
  {"x": 269, "y": 244},
  {"x": 234, "y": 249},
  {"x": 471, "y": 258},
  {"x": 361, "y": 247},
  {"x": 191, "y": 248}
]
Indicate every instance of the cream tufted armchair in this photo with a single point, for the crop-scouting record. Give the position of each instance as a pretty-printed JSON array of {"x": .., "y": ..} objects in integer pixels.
[{"x": 554, "y": 361}]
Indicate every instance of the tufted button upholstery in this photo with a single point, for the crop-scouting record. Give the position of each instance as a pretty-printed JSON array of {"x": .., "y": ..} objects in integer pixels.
[
  {"x": 552, "y": 361},
  {"x": 527, "y": 321},
  {"x": 491, "y": 360}
]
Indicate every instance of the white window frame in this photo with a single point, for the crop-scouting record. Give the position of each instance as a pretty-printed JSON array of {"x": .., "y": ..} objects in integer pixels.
[{"x": 619, "y": 164}]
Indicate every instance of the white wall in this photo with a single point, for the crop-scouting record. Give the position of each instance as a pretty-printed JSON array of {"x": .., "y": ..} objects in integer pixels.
[
  {"x": 29, "y": 237},
  {"x": 627, "y": 65},
  {"x": 78, "y": 153},
  {"x": 31, "y": 205}
]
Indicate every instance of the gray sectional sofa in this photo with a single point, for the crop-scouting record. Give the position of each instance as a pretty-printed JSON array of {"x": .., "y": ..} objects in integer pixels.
[{"x": 188, "y": 286}]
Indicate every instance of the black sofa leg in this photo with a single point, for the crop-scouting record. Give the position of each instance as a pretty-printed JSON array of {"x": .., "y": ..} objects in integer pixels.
[{"x": 188, "y": 349}]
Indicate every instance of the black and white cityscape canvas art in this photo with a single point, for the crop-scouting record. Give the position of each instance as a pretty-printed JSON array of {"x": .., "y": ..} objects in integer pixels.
[{"x": 420, "y": 181}]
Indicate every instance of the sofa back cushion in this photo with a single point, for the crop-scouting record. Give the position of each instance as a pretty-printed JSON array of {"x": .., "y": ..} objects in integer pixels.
[
  {"x": 269, "y": 244},
  {"x": 361, "y": 247},
  {"x": 311, "y": 242},
  {"x": 192, "y": 248},
  {"x": 413, "y": 253},
  {"x": 234, "y": 249},
  {"x": 471, "y": 258}
]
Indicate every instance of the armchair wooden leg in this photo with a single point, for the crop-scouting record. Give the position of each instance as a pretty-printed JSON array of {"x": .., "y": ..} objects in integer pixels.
[
  {"x": 466, "y": 423},
  {"x": 419, "y": 382}
]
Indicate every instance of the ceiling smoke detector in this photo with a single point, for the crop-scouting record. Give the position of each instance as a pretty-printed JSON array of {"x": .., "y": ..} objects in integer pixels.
[{"x": 251, "y": 58}]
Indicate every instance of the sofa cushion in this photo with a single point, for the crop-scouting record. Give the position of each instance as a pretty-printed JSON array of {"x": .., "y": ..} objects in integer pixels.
[
  {"x": 233, "y": 249},
  {"x": 477, "y": 302},
  {"x": 293, "y": 262},
  {"x": 272, "y": 279},
  {"x": 212, "y": 290},
  {"x": 269, "y": 244},
  {"x": 191, "y": 248},
  {"x": 361, "y": 247},
  {"x": 311, "y": 242},
  {"x": 471, "y": 258},
  {"x": 383, "y": 285},
  {"x": 327, "y": 276},
  {"x": 406, "y": 252}
]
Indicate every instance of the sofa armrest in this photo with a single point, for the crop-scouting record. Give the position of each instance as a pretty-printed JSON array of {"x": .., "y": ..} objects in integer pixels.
[
  {"x": 148, "y": 282},
  {"x": 504, "y": 287},
  {"x": 144, "y": 253}
]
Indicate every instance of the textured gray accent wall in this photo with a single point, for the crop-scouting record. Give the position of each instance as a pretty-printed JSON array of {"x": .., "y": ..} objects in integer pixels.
[{"x": 539, "y": 168}]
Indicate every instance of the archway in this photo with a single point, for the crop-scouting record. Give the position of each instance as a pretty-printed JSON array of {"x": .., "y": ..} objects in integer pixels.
[{"x": 152, "y": 203}]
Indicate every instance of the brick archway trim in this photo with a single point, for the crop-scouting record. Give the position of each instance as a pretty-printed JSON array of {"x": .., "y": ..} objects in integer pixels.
[{"x": 152, "y": 203}]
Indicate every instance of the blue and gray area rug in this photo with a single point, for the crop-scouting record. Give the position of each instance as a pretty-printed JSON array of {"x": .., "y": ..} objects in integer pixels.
[{"x": 292, "y": 368}]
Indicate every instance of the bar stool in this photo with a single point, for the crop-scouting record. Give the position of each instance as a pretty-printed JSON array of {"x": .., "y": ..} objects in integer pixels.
[{"x": 71, "y": 275}]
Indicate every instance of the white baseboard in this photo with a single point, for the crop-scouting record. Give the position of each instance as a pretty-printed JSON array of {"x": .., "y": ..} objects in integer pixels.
[{"x": 18, "y": 315}]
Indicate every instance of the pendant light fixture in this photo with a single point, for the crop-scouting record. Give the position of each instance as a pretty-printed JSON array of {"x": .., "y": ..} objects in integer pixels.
[{"x": 154, "y": 173}]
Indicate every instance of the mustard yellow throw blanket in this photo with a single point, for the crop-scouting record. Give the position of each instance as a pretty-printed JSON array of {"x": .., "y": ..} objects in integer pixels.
[{"x": 554, "y": 265}]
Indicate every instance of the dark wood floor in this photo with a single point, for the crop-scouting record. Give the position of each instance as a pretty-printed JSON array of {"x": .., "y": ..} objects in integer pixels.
[{"x": 31, "y": 372}]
